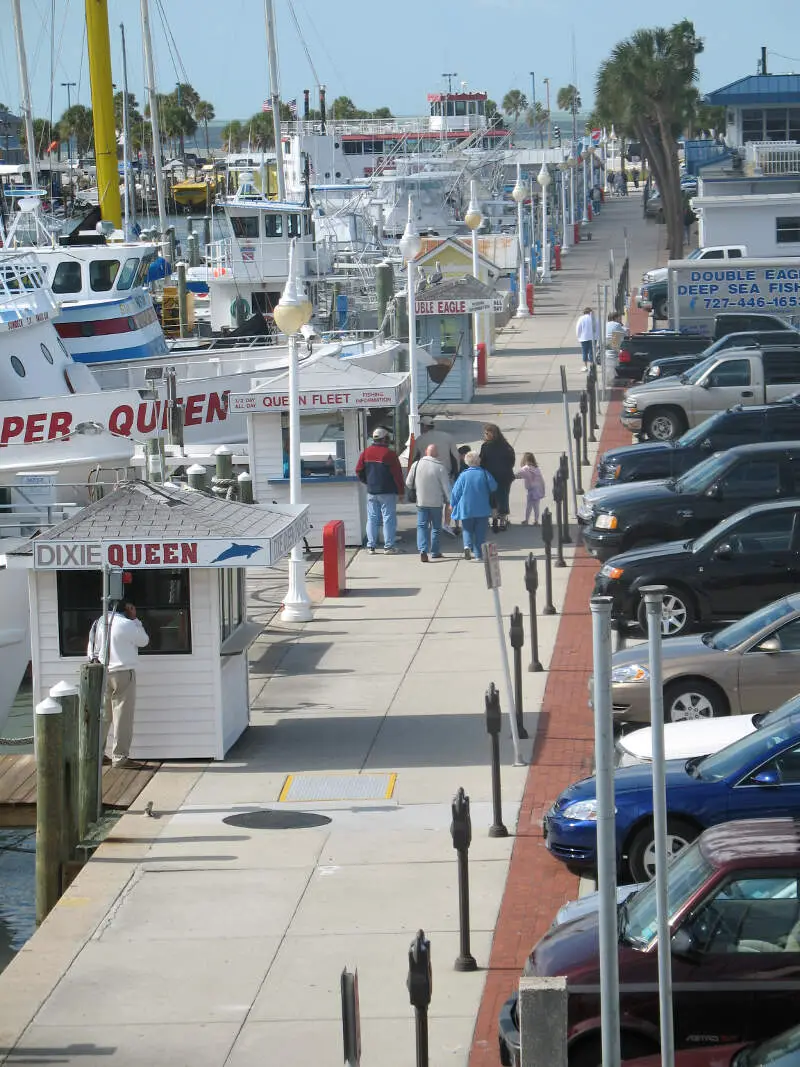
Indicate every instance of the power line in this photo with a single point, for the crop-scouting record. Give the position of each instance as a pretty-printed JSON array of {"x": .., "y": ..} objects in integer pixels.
[{"x": 293, "y": 13}]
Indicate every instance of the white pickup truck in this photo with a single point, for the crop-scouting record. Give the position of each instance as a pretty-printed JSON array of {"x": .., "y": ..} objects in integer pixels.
[{"x": 653, "y": 291}]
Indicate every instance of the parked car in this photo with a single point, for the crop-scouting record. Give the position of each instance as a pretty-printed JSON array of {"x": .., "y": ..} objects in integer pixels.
[
  {"x": 751, "y": 666},
  {"x": 617, "y": 518},
  {"x": 695, "y": 738},
  {"x": 738, "y": 425},
  {"x": 659, "y": 274},
  {"x": 747, "y": 561},
  {"x": 675, "y": 366},
  {"x": 780, "y": 1051},
  {"x": 639, "y": 349},
  {"x": 733, "y": 903},
  {"x": 663, "y": 410}
]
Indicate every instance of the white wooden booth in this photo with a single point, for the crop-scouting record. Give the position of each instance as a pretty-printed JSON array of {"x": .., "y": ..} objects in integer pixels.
[
  {"x": 335, "y": 400},
  {"x": 183, "y": 555}
]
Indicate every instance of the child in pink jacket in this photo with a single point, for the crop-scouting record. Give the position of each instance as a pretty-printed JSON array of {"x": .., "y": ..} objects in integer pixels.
[{"x": 534, "y": 486}]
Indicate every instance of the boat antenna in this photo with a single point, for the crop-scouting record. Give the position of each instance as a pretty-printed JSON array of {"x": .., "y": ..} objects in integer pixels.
[
  {"x": 274, "y": 94},
  {"x": 25, "y": 91},
  {"x": 125, "y": 164},
  {"x": 154, "y": 123}
]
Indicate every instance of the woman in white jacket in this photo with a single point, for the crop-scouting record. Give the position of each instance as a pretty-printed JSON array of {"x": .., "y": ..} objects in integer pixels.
[{"x": 429, "y": 484}]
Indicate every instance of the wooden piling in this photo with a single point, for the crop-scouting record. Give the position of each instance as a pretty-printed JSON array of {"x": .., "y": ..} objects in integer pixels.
[
  {"x": 49, "y": 806},
  {"x": 67, "y": 695},
  {"x": 89, "y": 716}
]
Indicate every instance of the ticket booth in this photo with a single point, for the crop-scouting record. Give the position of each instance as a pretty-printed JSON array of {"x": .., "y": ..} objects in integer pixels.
[
  {"x": 184, "y": 556},
  {"x": 340, "y": 405}
]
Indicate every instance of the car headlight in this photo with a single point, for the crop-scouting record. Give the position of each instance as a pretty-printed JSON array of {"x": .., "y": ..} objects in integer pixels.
[
  {"x": 633, "y": 672},
  {"x": 630, "y": 406},
  {"x": 606, "y": 522},
  {"x": 614, "y": 573},
  {"x": 615, "y": 473},
  {"x": 581, "y": 811},
  {"x": 585, "y": 511}
]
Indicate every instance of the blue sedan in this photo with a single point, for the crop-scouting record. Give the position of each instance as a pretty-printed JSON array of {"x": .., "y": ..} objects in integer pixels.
[{"x": 757, "y": 776}]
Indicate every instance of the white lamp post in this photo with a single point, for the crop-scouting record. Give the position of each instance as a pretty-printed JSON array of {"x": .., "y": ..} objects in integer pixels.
[
  {"x": 563, "y": 168},
  {"x": 573, "y": 163},
  {"x": 519, "y": 194},
  {"x": 612, "y": 139},
  {"x": 292, "y": 311},
  {"x": 543, "y": 178},
  {"x": 410, "y": 244},
  {"x": 585, "y": 219},
  {"x": 472, "y": 221}
]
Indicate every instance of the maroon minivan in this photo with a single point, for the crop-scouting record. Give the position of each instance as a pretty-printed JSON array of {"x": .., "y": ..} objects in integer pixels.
[{"x": 734, "y": 899}]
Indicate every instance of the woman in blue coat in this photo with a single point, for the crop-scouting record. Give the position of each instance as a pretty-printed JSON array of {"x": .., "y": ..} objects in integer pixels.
[{"x": 470, "y": 500}]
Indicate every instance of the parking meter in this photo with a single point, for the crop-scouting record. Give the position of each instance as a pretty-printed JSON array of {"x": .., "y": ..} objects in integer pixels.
[
  {"x": 532, "y": 571},
  {"x": 420, "y": 976},
  {"x": 547, "y": 527},
  {"x": 493, "y": 713},
  {"x": 461, "y": 826},
  {"x": 516, "y": 631}
]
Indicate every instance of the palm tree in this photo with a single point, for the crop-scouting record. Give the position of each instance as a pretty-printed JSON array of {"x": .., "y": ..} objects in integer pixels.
[
  {"x": 514, "y": 103},
  {"x": 77, "y": 122},
  {"x": 261, "y": 130},
  {"x": 204, "y": 112},
  {"x": 43, "y": 136},
  {"x": 568, "y": 99},
  {"x": 647, "y": 88},
  {"x": 232, "y": 136},
  {"x": 538, "y": 117}
]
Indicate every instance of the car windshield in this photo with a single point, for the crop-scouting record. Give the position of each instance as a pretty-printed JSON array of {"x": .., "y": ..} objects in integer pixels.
[
  {"x": 685, "y": 874},
  {"x": 747, "y": 750},
  {"x": 717, "y": 532},
  {"x": 742, "y": 629},
  {"x": 703, "y": 474},
  {"x": 695, "y": 251},
  {"x": 698, "y": 370},
  {"x": 699, "y": 433},
  {"x": 780, "y": 1051},
  {"x": 773, "y": 718}
]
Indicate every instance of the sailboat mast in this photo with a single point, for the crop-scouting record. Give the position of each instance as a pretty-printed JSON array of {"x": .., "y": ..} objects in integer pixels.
[
  {"x": 154, "y": 123},
  {"x": 25, "y": 91},
  {"x": 105, "y": 133},
  {"x": 125, "y": 165},
  {"x": 274, "y": 94}
]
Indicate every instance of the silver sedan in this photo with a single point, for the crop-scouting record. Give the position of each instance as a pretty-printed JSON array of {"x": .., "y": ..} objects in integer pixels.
[{"x": 750, "y": 666}]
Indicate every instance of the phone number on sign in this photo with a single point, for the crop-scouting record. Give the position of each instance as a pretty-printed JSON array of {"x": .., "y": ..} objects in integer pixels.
[{"x": 719, "y": 303}]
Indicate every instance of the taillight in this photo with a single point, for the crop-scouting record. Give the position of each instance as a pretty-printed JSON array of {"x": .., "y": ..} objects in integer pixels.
[{"x": 624, "y": 355}]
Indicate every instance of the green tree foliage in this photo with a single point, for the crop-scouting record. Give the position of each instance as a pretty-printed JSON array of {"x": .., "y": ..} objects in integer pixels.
[
  {"x": 494, "y": 118},
  {"x": 538, "y": 117},
  {"x": 343, "y": 108},
  {"x": 514, "y": 103},
  {"x": 647, "y": 89},
  {"x": 43, "y": 136},
  {"x": 204, "y": 112},
  {"x": 77, "y": 122},
  {"x": 568, "y": 98},
  {"x": 232, "y": 136}
]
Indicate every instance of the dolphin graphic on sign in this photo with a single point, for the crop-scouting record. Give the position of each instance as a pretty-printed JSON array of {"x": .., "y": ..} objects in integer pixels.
[{"x": 237, "y": 551}]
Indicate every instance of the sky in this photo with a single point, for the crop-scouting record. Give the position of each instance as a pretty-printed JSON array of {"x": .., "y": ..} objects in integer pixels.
[{"x": 379, "y": 54}]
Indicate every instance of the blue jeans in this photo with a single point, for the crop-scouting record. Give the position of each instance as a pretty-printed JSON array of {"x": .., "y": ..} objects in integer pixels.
[
  {"x": 474, "y": 531},
  {"x": 429, "y": 519},
  {"x": 381, "y": 507},
  {"x": 586, "y": 351}
]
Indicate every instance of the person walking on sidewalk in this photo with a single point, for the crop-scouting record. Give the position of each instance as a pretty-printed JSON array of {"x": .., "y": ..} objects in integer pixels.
[
  {"x": 379, "y": 469},
  {"x": 586, "y": 333},
  {"x": 429, "y": 483},
  {"x": 472, "y": 504},
  {"x": 497, "y": 457},
  {"x": 126, "y": 636},
  {"x": 533, "y": 480},
  {"x": 445, "y": 444}
]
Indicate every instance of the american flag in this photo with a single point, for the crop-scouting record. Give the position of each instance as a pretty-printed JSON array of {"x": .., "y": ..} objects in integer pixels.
[
  {"x": 293, "y": 108},
  {"x": 267, "y": 105}
]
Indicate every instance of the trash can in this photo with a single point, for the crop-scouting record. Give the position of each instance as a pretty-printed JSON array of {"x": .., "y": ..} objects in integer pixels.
[
  {"x": 576, "y": 233},
  {"x": 529, "y": 296},
  {"x": 333, "y": 558},
  {"x": 481, "y": 372}
]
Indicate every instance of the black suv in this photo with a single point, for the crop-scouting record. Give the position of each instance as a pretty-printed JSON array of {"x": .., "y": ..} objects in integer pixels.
[
  {"x": 727, "y": 429},
  {"x": 621, "y": 517},
  {"x": 671, "y": 366},
  {"x": 739, "y": 565}
]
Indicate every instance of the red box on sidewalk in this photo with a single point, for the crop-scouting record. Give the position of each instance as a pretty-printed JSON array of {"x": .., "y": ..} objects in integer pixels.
[{"x": 333, "y": 558}]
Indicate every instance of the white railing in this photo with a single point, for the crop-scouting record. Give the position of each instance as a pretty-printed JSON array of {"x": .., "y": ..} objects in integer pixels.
[{"x": 772, "y": 157}]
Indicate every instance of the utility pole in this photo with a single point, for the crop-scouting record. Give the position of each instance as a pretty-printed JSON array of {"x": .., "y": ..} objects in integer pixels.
[
  {"x": 533, "y": 104},
  {"x": 69, "y": 86},
  {"x": 549, "y": 123},
  {"x": 450, "y": 75}
]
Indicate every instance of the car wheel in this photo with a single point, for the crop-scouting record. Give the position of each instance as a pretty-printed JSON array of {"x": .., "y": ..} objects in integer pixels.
[
  {"x": 664, "y": 424},
  {"x": 642, "y": 852},
  {"x": 677, "y": 613},
  {"x": 589, "y": 1053},
  {"x": 692, "y": 699},
  {"x": 661, "y": 309}
]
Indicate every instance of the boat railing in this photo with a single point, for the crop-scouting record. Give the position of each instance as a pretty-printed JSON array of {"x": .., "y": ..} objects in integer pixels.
[
  {"x": 23, "y": 286},
  {"x": 26, "y": 515},
  {"x": 219, "y": 255}
]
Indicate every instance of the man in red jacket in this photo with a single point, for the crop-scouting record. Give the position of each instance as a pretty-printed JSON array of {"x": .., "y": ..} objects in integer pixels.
[{"x": 379, "y": 469}]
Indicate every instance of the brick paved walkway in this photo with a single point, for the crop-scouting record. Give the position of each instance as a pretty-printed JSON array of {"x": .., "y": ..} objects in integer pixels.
[{"x": 537, "y": 884}]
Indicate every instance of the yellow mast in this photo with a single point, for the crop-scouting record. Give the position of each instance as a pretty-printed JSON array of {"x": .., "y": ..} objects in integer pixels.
[{"x": 105, "y": 136}]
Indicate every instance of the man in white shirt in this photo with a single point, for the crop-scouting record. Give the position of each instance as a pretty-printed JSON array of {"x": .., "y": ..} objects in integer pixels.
[
  {"x": 586, "y": 334},
  {"x": 615, "y": 331},
  {"x": 126, "y": 637}
]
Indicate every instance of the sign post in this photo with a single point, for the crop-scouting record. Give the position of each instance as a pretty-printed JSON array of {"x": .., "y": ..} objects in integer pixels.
[{"x": 491, "y": 563}]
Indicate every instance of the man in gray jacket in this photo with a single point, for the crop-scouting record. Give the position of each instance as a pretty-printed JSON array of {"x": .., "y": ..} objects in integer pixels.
[{"x": 430, "y": 483}]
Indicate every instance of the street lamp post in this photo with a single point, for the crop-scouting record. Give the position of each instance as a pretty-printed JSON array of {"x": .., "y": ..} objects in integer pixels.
[
  {"x": 292, "y": 311},
  {"x": 543, "y": 179},
  {"x": 518, "y": 195},
  {"x": 573, "y": 163},
  {"x": 612, "y": 139},
  {"x": 585, "y": 219},
  {"x": 563, "y": 168},
  {"x": 410, "y": 244},
  {"x": 472, "y": 220}
]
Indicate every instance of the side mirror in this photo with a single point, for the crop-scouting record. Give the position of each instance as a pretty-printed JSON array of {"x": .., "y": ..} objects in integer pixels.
[
  {"x": 769, "y": 777},
  {"x": 683, "y": 943},
  {"x": 769, "y": 644},
  {"x": 706, "y": 443},
  {"x": 714, "y": 492},
  {"x": 705, "y": 383},
  {"x": 723, "y": 550}
]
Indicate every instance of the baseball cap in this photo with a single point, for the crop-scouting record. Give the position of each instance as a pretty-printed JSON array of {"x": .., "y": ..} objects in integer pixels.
[{"x": 380, "y": 434}]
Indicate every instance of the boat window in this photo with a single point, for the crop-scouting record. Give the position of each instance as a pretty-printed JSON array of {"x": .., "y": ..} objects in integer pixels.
[
  {"x": 273, "y": 225},
  {"x": 244, "y": 226},
  {"x": 67, "y": 278},
  {"x": 102, "y": 273},
  {"x": 162, "y": 603},
  {"x": 127, "y": 274},
  {"x": 306, "y": 225},
  {"x": 322, "y": 444},
  {"x": 461, "y": 107},
  {"x": 18, "y": 366},
  {"x": 63, "y": 347},
  {"x": 144, "y": 267},
  {"x": 48, "y": 355},
  {"x": 293, "y": 225}
]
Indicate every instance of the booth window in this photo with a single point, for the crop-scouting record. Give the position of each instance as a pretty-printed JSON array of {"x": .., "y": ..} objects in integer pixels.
[
  {"x": 787, "y": 230},
  {"x": 321, "y": 444},
  {"x": 162, "y": 603},
  {"x": 231, "y": 600}
]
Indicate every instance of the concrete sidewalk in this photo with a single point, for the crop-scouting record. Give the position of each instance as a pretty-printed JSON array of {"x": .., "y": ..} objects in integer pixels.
[{"x": 200, "y": 937}]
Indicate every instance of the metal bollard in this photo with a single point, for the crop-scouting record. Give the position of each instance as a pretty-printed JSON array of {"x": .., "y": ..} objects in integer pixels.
[
  {"x": 558, "y": 496},
  {"x": 564, "y": 466},
  {"x": 547, "y": 536},
  {"x": 532, "y": 584},
  {"x": 517, "y": 636},
  {"x": 420, "y": 986},
  {"x": 577, "y": 433},
  {"x": 493, "y": 725},
  {"x": 591, "y": 389},
  {"x": 584, "y": 406},
  {"x": 351, "y": 1018},
  {"x": 461, "y": 832}
]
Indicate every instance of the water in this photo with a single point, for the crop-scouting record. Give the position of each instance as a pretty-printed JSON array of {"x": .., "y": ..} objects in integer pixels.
[{"x": 17, "y": 891}]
